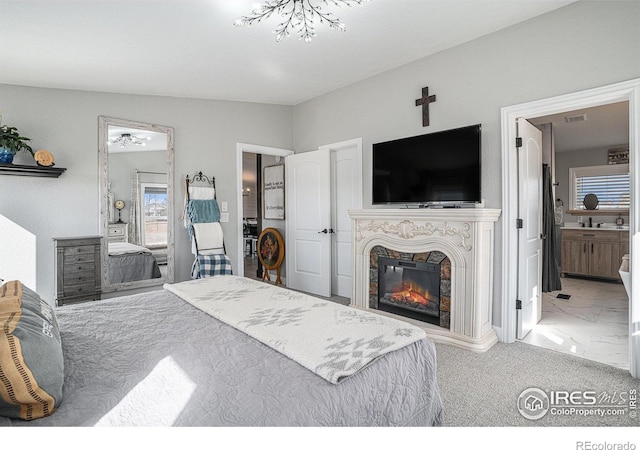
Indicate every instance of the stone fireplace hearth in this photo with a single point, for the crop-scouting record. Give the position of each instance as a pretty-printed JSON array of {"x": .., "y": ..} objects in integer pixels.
[{"x": 459, "y": 240}]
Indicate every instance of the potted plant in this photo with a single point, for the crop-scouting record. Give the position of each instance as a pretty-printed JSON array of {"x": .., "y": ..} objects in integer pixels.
[{"x": 11, "y": 143}]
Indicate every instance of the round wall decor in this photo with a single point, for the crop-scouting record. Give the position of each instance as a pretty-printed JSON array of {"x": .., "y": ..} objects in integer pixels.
[
  {"x": 271, "y": 252},
  {"x": 590, "y": 201}
]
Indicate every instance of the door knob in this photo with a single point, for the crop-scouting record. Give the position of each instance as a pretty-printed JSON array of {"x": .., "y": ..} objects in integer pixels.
[{"x": 325, "y": 231}]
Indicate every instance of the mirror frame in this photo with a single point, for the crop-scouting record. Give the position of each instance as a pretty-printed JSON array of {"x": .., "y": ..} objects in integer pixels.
[{"x": 103, "y": 189}]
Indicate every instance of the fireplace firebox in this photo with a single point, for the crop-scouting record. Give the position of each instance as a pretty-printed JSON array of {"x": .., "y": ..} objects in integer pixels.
[{"x": 409, "y": 288}]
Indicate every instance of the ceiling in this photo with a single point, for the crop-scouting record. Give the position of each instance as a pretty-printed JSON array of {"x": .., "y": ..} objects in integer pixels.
[
  {"x": 606, "y": 126},
  {"x": 155, "y": 141},
  {"x": 190, "y": 48}
]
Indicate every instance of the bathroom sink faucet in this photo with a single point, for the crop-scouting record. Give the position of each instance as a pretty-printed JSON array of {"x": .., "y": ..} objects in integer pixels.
[{"x": 590, "y": 222}]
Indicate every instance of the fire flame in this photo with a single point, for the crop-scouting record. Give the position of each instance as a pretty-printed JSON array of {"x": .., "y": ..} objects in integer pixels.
[{"x": 409, "y": 294}]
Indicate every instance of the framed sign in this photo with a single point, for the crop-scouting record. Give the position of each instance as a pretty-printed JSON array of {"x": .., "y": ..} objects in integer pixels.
[
  {"x": 618, "y": 156},
  {"x": 273, "y": 192}
]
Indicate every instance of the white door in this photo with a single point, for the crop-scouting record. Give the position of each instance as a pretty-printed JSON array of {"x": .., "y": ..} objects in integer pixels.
[
  {"x": 346, "y": 194},
  {"x": 529, "y": 236},
  {"x": 308, "y": 200}
]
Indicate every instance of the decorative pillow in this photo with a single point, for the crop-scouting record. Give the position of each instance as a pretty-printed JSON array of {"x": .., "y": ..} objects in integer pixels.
[{"x": 31, "y": 364}]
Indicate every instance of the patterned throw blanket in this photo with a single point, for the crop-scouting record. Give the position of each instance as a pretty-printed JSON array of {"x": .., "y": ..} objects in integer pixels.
[{"x": 331, "y": 340}]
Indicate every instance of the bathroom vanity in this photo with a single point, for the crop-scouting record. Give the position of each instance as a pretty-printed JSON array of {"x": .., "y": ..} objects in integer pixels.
[{"x": 593, "y": 252}]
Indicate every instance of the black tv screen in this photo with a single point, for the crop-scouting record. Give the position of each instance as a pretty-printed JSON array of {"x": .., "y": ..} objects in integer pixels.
[{"x": 436, "y": 168}]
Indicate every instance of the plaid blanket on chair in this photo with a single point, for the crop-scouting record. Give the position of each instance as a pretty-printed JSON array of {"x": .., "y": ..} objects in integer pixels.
[{"x": 211, "y": 265}]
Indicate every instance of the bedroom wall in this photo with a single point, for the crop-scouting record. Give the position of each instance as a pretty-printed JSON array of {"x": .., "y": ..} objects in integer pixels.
[
  {"x": 580, "y": 46},
  {"x": 66, "y": 123}
]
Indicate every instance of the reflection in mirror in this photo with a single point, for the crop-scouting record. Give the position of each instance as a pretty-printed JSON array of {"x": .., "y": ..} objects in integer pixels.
[{"x": 136, "y": 211}]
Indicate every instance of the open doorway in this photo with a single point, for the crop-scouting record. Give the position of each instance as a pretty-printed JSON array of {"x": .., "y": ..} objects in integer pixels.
[
  {"x": 620, "y": 92},
  {"x": 250, "y": 221},
  {"x": 586, "y": 312}
]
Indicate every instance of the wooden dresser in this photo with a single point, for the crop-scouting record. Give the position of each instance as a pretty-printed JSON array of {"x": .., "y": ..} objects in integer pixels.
[{"x": 78, "y": 275}]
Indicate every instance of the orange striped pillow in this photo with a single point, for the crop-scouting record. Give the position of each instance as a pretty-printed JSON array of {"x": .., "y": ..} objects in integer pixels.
[{"x": 31, "y": 364}]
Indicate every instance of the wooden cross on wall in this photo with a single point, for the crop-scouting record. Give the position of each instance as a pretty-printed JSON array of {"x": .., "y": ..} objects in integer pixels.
[{"x": 424, "y": 101}]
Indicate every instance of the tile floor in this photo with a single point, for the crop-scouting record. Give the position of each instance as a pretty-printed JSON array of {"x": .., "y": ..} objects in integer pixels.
[{"x": 592, "y": 324}]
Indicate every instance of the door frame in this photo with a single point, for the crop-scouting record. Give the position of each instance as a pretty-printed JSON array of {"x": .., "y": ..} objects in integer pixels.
[
  {"x": 613, "y": 93},
  {"x": 240, "y": 149}
]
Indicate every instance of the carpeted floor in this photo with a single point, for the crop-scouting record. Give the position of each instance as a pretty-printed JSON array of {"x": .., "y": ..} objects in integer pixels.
[{"x": 482, "y": 389}]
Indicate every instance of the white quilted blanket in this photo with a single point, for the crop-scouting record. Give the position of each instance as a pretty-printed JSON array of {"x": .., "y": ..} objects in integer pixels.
[{"x": 331, "y": 340}]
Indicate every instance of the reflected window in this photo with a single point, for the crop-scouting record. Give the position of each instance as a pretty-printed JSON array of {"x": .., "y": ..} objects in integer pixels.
[{"x": 154, "y": 214}]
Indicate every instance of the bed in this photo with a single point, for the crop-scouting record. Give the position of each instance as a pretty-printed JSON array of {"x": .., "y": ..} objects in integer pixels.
[
  {"x": 130, "y": 262},
  {"x": 153, "y": 359}
]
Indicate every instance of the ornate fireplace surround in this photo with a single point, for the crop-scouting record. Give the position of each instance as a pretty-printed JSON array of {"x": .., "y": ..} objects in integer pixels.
[{"x": 464, "y": 235}]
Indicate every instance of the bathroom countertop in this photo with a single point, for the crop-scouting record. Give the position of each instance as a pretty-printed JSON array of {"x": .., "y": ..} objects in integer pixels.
[{"x": 603, "y": 227}]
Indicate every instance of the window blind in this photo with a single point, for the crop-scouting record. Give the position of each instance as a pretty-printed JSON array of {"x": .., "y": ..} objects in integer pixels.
[{"x": 612, "y": 190}]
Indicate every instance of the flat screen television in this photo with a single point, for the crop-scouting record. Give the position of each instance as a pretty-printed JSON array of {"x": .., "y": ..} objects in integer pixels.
[{"x": 441, "y": 168}]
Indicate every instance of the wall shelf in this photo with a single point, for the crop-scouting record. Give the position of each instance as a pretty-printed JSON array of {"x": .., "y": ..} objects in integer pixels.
[{"x": 31, "y": 171}]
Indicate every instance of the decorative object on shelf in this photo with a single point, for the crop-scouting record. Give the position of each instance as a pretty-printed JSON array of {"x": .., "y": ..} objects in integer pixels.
[
  {"x": 127, "y": 138},
  {"x": 618, "y": 156},
  {"x": 424, "y": 102},
  {"x": 297, "y": 14},
  {"x": 590, "y": 201},
  {"x": 119, "y": 204},
  {"x": 619, "y": 221},
  {"x": 271, "y": 252},
  {"x": 44, "y": 158},
  {"x": 11, "y": 143},
  {"x": 6, "y": 156}
]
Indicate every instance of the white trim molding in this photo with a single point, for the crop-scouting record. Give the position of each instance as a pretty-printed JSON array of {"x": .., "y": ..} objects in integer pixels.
[{"x": 628, "y": 91}]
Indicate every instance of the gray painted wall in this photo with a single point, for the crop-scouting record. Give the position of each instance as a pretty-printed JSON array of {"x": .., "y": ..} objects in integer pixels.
[
  {"x": 66, "y": 123},
  {"x": 583, "y": 45},
  {"x": 580, "y": 46}
]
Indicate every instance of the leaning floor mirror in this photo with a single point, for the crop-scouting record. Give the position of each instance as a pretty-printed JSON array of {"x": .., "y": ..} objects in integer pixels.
[{"x": 136, "y": 203}]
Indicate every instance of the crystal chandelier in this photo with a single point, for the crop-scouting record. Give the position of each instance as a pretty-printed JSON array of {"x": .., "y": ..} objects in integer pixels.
[
  {"x": 127, "y": 138},
  {"x": 297, "y": 14}
]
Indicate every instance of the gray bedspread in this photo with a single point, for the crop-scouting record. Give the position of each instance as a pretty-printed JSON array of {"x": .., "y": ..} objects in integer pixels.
[{"x": 152, "y": 359}]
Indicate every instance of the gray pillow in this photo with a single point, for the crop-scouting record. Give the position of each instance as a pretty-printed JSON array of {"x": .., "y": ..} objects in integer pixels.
[{"x": 31, "y": 364}]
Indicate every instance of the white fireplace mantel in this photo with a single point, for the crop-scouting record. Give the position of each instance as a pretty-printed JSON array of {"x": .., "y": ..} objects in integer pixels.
[{"x": 465, "y": 235}]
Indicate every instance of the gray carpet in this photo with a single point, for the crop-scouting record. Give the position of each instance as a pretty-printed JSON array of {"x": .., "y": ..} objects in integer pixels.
[{"x": 482, "y": 389}]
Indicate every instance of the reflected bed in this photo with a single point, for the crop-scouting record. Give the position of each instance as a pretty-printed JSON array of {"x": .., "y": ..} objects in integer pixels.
[{"x": 129, "y": 262}]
